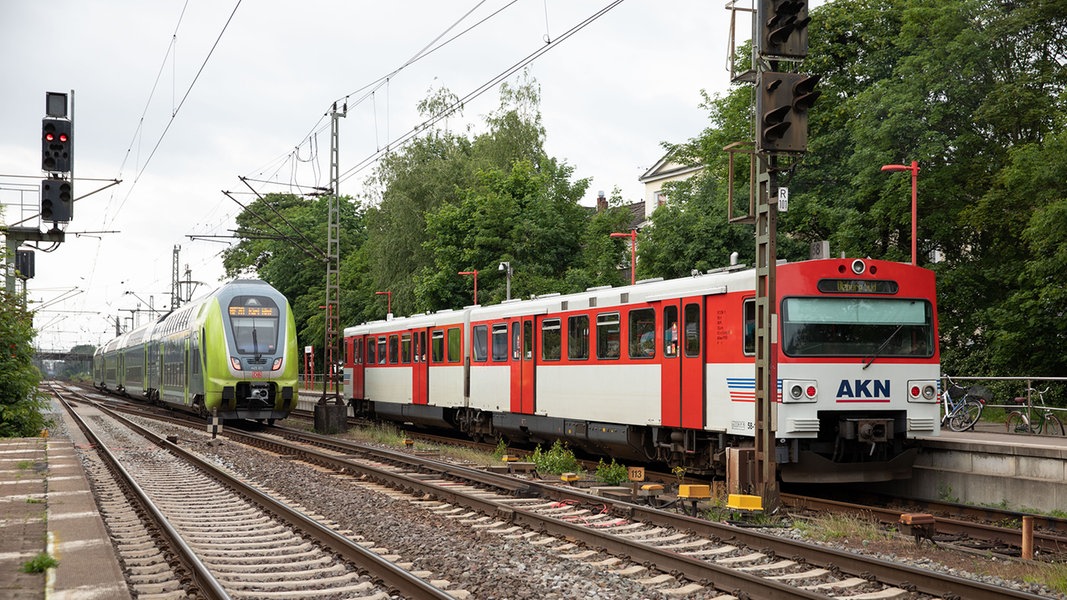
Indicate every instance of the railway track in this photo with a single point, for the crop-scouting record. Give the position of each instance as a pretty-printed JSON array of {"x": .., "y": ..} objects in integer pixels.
[
  {"x": 230, "y": 539},
  {"x": 681, "y": 552},
  {"x": 981, "y": 529}
]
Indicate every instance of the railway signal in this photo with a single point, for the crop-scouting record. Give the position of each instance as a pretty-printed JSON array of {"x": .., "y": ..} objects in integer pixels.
[
  {"x": 57, "y": 204},
  {"x": 783, "y": 28},
  {"x": 782, "y": 105},
  {"x": 56, "y": 145}
]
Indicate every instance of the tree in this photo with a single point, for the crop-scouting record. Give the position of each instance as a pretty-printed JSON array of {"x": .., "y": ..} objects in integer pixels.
[{"x": 22, "y": 405}]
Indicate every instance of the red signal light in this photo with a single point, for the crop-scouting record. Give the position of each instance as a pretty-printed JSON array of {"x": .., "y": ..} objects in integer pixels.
[
  {"x": 63, "y": 137},
  {"x": 48, "y": 137}
]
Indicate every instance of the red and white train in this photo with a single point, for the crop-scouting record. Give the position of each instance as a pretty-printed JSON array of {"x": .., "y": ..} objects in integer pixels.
[{"x": 663, "y": 371}]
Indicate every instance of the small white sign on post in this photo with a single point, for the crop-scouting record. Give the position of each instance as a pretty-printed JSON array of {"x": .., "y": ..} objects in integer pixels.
[
  {"x": 783, "y": 199},
  {"x": 308, "y": 349}
]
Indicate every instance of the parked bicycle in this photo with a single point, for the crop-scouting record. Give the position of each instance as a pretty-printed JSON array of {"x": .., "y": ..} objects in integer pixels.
[
  {"x": 1045, "y": 423},
  {"x": 963, "y": 406}
]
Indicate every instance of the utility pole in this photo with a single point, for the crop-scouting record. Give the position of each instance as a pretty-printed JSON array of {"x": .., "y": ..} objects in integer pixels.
[
  {"x": 175, "y": 290},
  {"x": 332, "y": 418},
  {"x": 782, "y": 98}
]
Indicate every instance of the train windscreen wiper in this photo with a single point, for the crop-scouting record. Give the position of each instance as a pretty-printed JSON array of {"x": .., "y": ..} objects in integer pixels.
[{"x": 870, "y": 359}]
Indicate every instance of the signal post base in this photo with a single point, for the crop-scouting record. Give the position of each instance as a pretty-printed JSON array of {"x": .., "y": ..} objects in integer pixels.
[{"x": 331, "y": 418}]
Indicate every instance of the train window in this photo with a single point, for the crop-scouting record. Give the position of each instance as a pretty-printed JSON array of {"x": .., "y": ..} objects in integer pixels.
[
  {"x": 372, "y": 351},
  {"x": 551, "y": 339},
  {"x": 405, "y": 348},
  {"x": 455, "y": 347},
  {"x": 608, "y": 337},
  {"x": 393, "y": 347},
  {"x": 868, "y": 327},
  {"x": 381, "y": 350},
  {"x": 480, "y": 343},
  {"x": 516, "y": 346},
  {"x": 357, "y": 353},
  {"x": 500, "y": 342},
  {"x": 437, "y": 346},
  {"x": 750, "y": 326},
  {"x": 642, "y": 333},
  {"x": 420, "y": 347},
  {"x": 578, "y": 337},
  {"x": 692, "y": 330},
  {"x": 670, "y": 331},
  {"x": 527, "y": 339}
]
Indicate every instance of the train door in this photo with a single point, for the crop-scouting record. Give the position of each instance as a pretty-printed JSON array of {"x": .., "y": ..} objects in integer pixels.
[
  {"x": 187, "y": 372},
  {"x": 355, "y": 354},
  {"x": 420, "y": 371},
  {"x": 671, "y": 369},
  {"x": 692, "y": 360},
  {"x": 522, "y": 365}
]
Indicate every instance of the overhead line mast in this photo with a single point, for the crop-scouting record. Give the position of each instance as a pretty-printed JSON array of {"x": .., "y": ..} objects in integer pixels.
[{"x": 779, "y": 39}]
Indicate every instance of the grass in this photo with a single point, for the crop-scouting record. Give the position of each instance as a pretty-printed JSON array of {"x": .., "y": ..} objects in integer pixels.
[
  {"x": 40, "y": 563},
  {"x": 842, "y": 528}
]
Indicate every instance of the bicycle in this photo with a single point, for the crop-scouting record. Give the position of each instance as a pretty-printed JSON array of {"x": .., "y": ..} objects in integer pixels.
[
  {"x": 962, "y": 408},
  {"x": 1047, "y": 423}
]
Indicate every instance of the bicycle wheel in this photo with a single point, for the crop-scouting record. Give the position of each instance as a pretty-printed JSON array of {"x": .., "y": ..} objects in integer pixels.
[
  {"x": 1017, "y": 423},
  {"x": 1052, "y": 425},
  {"x": 966, "y": 417}
]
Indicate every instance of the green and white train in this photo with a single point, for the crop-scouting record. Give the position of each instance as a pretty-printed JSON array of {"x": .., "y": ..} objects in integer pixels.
[{"x": 231, "y": 354}]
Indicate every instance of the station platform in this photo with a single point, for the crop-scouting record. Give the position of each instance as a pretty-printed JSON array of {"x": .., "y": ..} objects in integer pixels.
[
  {"x": 47, "y": 508},
  {"x": 988, "y": 466}
]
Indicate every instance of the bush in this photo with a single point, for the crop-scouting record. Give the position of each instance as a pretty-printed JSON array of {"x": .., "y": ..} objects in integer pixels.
[
  {"x": 40, "y": 563},
  {"x": 613, "y": 474},
  {"x": 22, "y": 404},
  {"x": 558, "y": 459}
]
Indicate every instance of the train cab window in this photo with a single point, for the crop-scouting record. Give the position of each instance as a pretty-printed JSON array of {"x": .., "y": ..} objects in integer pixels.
[
  {"x": 420, "y": 346},
  {"x": 642, "y": 333},
  {"x": 437, "y": 346},
  {"x": 393, "y": 347},
  {"x": 357, "y": 353},
  {"x": 578, "y": 337},
  {"x": 405, "y": 348},
  {"x": 516, "y": 342},
  {"x": 692, "y": 329},
  {"x": 372, "y": 354},
  {"x": 551, "y": 339},
  {"x": 500, "y": 342},
  {"x": 750, "y": 326},
  {"x": 670, "y": 331},
  {"x": 480, "y": 343},
  {"x": 608, "y": 337},
  {"x": 381, "y": 350},
  {"x": 455, "y": 345}
]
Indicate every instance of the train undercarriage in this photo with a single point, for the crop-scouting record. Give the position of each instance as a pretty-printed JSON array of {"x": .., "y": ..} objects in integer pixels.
[{"x": 849, "y": 448}]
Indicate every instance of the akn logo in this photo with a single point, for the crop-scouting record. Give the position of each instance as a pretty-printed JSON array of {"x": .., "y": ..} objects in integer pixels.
[{"x": 863, "y": 390}]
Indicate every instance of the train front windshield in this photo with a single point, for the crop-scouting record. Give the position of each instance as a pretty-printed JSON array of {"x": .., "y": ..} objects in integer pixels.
[
  {"x": 254, "y": 324},
  {"x": 857, "y": 327}
]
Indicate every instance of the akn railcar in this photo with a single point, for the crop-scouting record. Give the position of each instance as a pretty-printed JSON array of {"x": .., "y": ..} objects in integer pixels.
[{"x": 663, "y": 371}]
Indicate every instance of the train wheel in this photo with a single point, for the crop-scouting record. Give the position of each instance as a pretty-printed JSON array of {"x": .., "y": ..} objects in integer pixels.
[{"x": 270, "y": 422}]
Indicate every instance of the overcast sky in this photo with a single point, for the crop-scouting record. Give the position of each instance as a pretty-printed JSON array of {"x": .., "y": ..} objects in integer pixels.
[{"x": 177, "y": 127}]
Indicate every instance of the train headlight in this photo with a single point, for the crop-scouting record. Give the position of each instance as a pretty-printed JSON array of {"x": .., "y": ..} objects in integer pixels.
[
  {"x": 922, "y": 391},
  {"x": 277, "y": 364},
  {"x": 858, "y": 267},
  {"x": 798, "y": 390},
  {"x": 235, "y": 363}
]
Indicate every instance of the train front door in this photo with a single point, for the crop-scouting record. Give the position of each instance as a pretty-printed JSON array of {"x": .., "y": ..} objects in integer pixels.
[
  {"x": 693, "y": 363},
  {"x": 420, "y": 369},
  {"x": 522, "y": 366}
]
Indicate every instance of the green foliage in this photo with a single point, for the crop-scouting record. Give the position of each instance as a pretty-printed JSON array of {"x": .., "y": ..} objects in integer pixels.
[
  {"x": 501, "y": 449},
  {"x": 22, "y": 405},
  {"x": 40, "y": 563},
  {"x": 558, "y": 459},
  {"x": 611, "y": 474}
]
